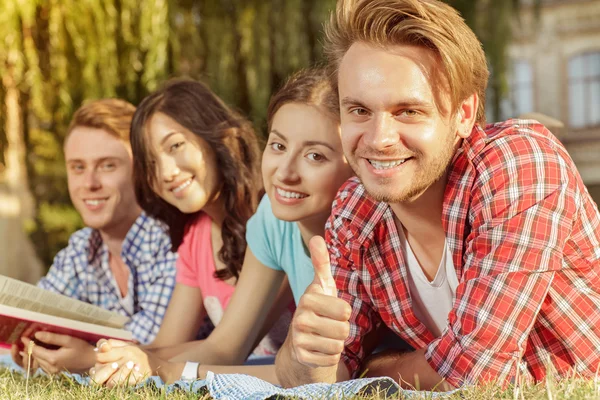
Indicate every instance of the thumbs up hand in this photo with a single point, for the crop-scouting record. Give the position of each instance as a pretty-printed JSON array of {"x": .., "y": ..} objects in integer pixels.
[
  {"x": 320, "y": 325},
  {"x": 320, "y": 260}
]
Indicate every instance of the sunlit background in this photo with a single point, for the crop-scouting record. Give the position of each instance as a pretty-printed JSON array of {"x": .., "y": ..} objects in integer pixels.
[{"x": 54, "y": 54}]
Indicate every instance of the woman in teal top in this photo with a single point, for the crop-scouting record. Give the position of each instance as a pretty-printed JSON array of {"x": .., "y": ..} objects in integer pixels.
[
  {"x": 303, "y": 166},
  {"x": 278, "y": 244}
]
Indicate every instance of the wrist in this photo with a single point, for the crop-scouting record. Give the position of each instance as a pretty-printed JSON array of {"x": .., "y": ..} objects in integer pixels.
[
  {"x": 170, "y": 372},
  {"x": 202, "y": 371},
  {"x": 287, "y": 351},
  {"x": 89, "y": 357}
]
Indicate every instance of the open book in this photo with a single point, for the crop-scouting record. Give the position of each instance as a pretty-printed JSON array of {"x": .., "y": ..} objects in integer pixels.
[{"x": 26, "y": 309}]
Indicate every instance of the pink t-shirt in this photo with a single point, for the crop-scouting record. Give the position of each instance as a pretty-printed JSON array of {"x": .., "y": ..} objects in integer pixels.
[{"x": 196, "y": 268}]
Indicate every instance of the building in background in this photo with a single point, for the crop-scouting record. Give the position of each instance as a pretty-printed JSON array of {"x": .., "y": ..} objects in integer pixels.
[{"x": 555, "y": 70}]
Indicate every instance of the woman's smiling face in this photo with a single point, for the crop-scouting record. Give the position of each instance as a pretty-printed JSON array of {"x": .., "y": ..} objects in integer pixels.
[
  {"x": 303, "y": 165},
  {"x": 186, "y": 167}
]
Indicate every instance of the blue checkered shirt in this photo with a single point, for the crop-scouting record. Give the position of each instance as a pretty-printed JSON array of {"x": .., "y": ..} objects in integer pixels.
[{"x": 82, "y": 271}]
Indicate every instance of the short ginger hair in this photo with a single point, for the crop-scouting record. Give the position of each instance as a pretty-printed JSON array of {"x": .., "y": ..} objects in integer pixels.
[
  {"x": 112, "y": 115},
  {"x": 425, "y": 23}
]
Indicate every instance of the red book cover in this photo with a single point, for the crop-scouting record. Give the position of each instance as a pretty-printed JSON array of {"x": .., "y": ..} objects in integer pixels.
[{"x": 16, "y": 322}]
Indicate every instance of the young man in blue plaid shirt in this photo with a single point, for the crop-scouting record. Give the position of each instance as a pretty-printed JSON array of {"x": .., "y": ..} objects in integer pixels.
[{"x": 122, "y": 260}]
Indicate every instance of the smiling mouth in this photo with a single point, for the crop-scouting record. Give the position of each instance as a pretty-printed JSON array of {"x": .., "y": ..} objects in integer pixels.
[
  {"x": 183, "y": 185},
  {"x": 95, "y": 202},
  {"x": 290, "y": 195},
  {"x": 381, "y": 165}
]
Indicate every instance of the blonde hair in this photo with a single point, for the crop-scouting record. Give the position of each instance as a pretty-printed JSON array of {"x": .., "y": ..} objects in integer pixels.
[
  {"x": 424, "y": 23},
  {"x": 112, "y": 115}
]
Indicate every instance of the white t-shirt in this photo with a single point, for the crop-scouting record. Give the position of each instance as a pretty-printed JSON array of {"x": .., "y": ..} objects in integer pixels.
[{"x": 432, "y": 301}]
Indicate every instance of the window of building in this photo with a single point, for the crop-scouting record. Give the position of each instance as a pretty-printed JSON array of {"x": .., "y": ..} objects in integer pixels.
[
  {"x": 584, "y": 90},
  {"x": 519, "y": 99},
  {"x": 520, "y": 91}
]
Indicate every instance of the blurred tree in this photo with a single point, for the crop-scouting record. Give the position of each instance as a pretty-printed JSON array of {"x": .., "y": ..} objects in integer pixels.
[{"x": 55, "y": 54}]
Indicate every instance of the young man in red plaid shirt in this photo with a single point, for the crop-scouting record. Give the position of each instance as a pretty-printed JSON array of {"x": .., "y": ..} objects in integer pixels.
[{"x": 477, "y": 245}]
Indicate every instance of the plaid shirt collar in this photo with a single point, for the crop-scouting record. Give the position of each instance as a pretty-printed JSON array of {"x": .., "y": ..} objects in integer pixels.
[
  {"x": 96, "y": 247},
  {"x": 132, "y": 254},
  {"x": 380, "y": 228}
]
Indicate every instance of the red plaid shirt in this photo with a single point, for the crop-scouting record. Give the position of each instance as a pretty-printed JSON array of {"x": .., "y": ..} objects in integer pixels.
[{"x": 524, "y": 235}]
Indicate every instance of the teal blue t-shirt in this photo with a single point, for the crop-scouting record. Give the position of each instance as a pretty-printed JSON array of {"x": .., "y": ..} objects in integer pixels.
[{"x": 278, "y": 245}]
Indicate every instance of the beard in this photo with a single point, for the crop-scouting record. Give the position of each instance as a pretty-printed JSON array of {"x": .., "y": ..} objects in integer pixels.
[{"x": 428, "y": 170}]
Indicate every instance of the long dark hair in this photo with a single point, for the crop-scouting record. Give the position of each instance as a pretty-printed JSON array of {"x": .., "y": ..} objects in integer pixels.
[{"x": 231, "y": 137}]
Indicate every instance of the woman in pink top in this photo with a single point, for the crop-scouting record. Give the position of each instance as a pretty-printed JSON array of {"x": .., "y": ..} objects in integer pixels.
[
  {"x": 302, "y": 167},
  {"x": 196, "y": 168}
]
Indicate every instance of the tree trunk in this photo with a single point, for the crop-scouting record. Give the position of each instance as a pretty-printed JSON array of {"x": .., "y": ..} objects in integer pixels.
[
  {"x": 307, "y": 11},
  {"x": 17, "y": 255},
  {"x": 241, "y": 67},
  {"x": 275, "y": 77},
  {"x": 14, "y": 154}
]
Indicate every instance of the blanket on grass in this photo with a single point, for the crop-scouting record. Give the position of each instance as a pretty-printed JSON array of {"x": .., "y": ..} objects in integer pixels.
[{"x": 238, "y": 386}]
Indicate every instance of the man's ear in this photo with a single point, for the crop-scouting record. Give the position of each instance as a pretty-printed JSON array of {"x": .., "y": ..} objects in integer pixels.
[{"x": 466, "y": 116}]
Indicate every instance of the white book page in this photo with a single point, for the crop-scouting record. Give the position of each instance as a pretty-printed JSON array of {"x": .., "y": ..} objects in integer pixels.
[{"x": 15, "y": 293}]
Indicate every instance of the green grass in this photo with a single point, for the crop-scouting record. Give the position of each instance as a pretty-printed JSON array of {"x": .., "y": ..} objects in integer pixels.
[{"x": 13, "y": 386}]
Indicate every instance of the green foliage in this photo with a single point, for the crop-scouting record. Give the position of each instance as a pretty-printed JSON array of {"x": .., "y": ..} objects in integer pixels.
[
  {"x": 54, "y": 224},
  {"x": 62, "y": 52}
]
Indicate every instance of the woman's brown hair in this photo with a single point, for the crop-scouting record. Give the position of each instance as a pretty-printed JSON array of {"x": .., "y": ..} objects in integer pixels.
[
  {"x": 311, "y": 87},
  {"x": 231, "y": 137}
]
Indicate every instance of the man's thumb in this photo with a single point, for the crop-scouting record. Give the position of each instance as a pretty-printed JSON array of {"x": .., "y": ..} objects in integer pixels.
[{"x": 320, "y": 260}]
